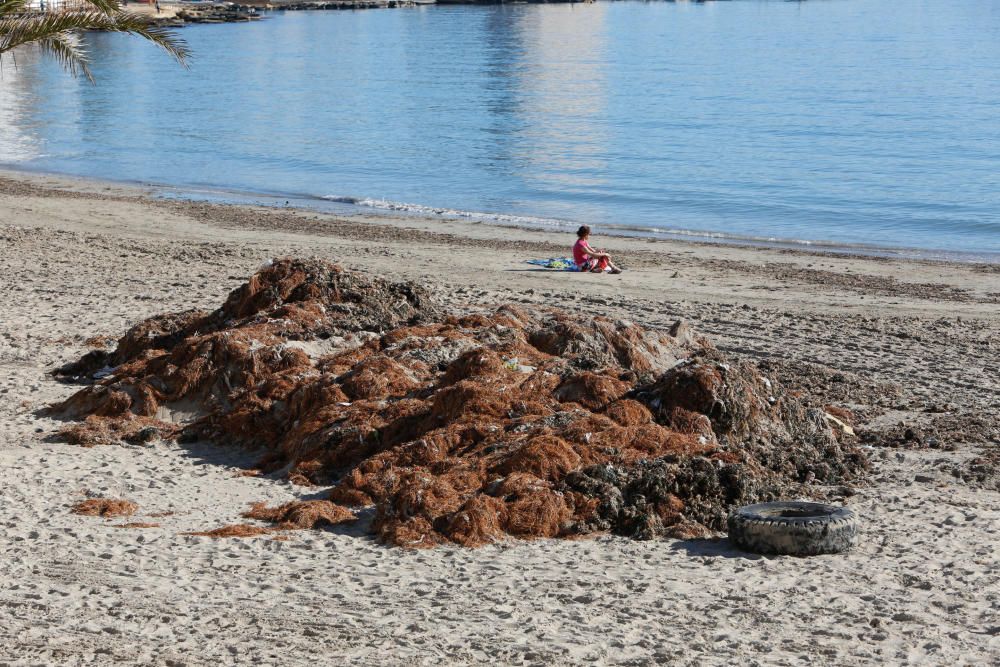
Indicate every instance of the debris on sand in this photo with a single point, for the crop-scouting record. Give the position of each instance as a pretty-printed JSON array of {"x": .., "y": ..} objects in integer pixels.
[
  {"x": 935, "y": 431},
  {"x": 107, "y": 508},
  {"x": 96, "y": 430},
  {"x": 982, "y": 470},
  {"x": 468, "y": 428},
  {"x": 233, "y": 530},
  {"x": 302, "y": 514},
  {"x": 136, "y": 524}
]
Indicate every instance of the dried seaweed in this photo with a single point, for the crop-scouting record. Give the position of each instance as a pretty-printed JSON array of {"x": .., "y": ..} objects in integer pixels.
[
  {"x": 233, "y": 530},
  {"x": 464, "y": 429},
  {"x": 107, "y": 508}
]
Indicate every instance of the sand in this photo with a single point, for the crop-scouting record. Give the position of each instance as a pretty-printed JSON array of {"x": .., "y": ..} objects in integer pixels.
[{"x": 914, "y": 342}]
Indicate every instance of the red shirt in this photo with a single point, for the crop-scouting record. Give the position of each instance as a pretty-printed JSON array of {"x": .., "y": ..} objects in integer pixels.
[{"x": 580, "y": 255}]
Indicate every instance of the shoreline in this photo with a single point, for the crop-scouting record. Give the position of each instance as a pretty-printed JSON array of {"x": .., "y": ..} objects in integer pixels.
[
  {"x": 910, "y": 347},
  {"x": 350, "y": 206}
]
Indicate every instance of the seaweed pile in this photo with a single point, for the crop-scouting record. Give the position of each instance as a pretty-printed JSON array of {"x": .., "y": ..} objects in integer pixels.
[
  {"x": 105, "y": 507},
  {"x": 466, "y": 428}
]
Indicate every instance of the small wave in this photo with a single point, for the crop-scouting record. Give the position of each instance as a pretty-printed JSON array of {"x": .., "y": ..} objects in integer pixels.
[
  {"x": 646, "y": 231},
  {"x": 420, "y": 209},
  {"x": 533, "y": 221}
]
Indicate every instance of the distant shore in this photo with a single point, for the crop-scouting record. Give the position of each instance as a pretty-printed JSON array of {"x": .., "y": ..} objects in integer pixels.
[{"x": 179, "y": 14}]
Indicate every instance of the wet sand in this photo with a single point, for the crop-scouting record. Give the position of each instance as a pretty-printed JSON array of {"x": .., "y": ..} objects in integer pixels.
[{"x": 910, "y": 346}]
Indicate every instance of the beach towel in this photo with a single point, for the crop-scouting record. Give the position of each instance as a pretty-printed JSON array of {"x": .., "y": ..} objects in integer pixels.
[{"x": 555, "y": 263}]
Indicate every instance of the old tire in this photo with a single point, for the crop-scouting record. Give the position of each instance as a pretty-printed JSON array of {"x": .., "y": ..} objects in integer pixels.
[{"x": 793, "y": 528}]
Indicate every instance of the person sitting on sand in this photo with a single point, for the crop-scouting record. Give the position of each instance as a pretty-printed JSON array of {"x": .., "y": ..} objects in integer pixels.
[{"x": 588, "y": 259}]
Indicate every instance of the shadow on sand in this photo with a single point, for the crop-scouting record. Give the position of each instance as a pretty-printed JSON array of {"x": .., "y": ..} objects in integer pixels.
[
  {"x": 232, "y": 456},
  {"x": 713, "y": 547}
]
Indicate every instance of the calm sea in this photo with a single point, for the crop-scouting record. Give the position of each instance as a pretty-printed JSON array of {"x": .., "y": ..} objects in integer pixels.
[{"x": 840, "y": 121}]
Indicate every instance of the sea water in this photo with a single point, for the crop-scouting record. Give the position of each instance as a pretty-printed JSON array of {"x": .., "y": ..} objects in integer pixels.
[{"x": 847, "y": 122}]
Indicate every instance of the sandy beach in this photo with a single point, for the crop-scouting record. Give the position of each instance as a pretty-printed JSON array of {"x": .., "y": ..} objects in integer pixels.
[{"x": 912, "y": 347}]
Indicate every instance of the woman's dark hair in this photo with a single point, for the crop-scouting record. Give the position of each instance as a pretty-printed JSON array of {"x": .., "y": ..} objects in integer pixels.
[{"x": 583, "y": 231}]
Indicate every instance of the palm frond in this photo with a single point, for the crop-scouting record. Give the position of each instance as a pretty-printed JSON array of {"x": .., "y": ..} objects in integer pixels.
[
  {"x": 13, "y": 7},
  {"x": 162, "y": 37},
  {"x": 66, "y": 49},
  {"x": 106, "y": 6},
  {"x": 57, "y": 28},
  {"x": 19, "y": 30}
]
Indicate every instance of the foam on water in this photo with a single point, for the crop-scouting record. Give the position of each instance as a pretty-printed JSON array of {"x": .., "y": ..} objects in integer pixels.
[{"x": 420, "y": 209}]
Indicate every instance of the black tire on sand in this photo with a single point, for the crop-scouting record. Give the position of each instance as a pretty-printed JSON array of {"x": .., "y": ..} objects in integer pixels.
[{"x": 793, "y": 528}]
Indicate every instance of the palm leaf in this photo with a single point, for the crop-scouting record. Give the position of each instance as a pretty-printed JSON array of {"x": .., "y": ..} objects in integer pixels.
[
  {"x": 163, "y": 37},
  {"x": 106, "y": 6},
  {"x": 13, "y": 7},
  {"x": 67, "y": 50},
  {"x": 25, "y": 29},
  {"x": 55, "y": 31}
]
